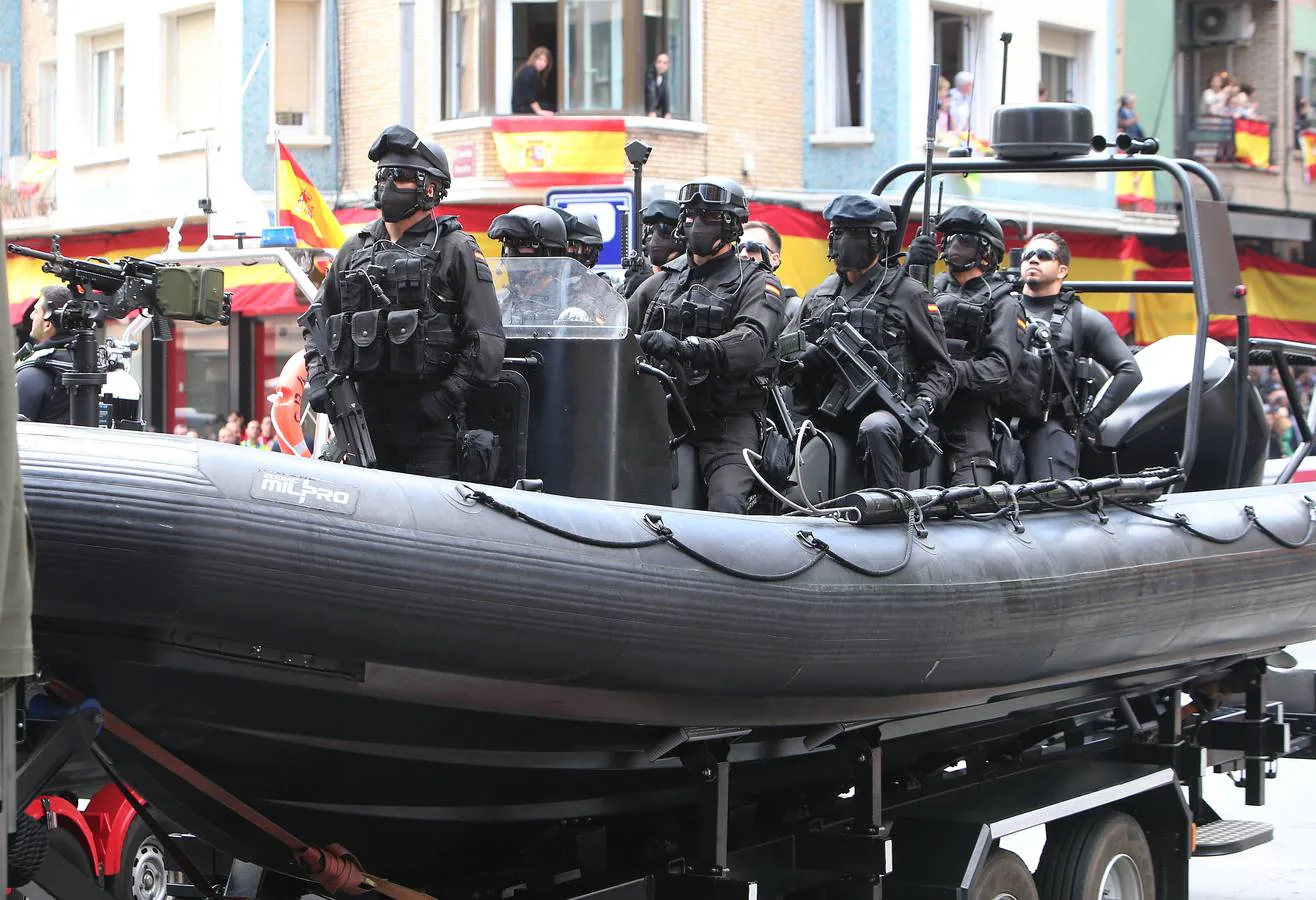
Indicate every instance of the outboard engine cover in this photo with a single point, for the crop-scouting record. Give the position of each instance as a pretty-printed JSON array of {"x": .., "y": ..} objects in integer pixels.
[
  {"x": 1148, "y": 428},
  {"x": 1042, "y": 131}
]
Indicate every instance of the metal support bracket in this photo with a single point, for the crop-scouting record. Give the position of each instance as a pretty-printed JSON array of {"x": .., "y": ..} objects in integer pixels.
[{"x": 68, "y": 737}]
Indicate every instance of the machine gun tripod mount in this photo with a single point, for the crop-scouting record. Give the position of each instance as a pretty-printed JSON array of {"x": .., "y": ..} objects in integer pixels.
[{"x": 102, "y": 290}]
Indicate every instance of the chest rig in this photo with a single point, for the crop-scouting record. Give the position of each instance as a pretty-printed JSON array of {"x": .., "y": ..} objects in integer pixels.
[
  {"x": 398, "y": 317},
  {"x": 873, "y": 314},
  {"x": 688, "y": 308},
  {"x": 967, "y": 316}
]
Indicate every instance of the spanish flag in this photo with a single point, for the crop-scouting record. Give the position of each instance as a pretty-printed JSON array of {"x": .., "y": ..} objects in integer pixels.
[
  {"x": 1308, "y": 140},
  {"x": 1135, "y": 191},
  {"x": 539, "y": 151},
  {"x": 302, "y": 207},
  {"x": 1252, "y": 143}
]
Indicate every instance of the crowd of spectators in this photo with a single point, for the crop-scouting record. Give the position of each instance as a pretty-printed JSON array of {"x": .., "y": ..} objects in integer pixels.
[
  {"x": 257, "y": 434},
  {"x": 1229, "y": 99},
  {"x": 1284, "y": 434}
]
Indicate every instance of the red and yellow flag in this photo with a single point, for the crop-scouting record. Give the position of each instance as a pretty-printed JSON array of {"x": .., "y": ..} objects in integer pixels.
[
  {"x": 540, "y": 151},
  {"x": 1252, "y": 143},
  {"x": 1135, "y": 191},
  {"x": 302, "y": 207},
  {"x": 1308, "y": 139}
]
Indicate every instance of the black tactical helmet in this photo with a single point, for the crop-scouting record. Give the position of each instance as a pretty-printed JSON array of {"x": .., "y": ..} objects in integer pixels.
[
  {"x": 584, "y": 237},
  {"x": 586, "y": 230},
  {"x": 715, "y": 193},
  {"x": 661, "y": 211},
  {"x": 531, "y": 226},
  {"x": 399, "y": 146},
  {"x": 858, "y": 211},
  {"x": 970, "y": 220}
]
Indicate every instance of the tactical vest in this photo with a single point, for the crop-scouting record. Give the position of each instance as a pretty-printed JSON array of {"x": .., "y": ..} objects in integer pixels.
[
  {"x": 396, "y": 317},
  {"x": 967, "y": 318},
  {"x": 874, "y": 316},
  {"x": 56, "y": 360},
  {"x": 1047, "y": 379}
]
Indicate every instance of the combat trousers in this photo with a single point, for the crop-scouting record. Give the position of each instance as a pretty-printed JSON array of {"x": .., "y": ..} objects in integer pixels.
[
  {"x": 719, "y": 442},
  {"x": 880, "y": 436},
  {"x": 966, "y": 439},
  {"x": 405, "y": 440},
  {"x": 1049, "y": 450}
]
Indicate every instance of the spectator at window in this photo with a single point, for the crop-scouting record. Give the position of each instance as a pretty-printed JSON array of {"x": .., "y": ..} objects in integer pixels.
[
  {"x": 943, "y": 105},
  {"x": 528, "y": 86},
  {"x": 1213, "y": 98},
  {"x": 961, "y": 102},
  {"x": 1302, "y": 120},
  {"x": 1241, "y": 106},
  {"x": 657, "y": 101},
  {"x": 1127, "y": 118}
]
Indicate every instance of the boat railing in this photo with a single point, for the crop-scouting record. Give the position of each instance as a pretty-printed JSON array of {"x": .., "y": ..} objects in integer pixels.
[
  {"x": 1282, "y": 355},
  {"x": 1217, "y": 290}
]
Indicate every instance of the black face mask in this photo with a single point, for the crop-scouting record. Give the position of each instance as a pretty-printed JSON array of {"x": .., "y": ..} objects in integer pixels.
[
  {"x": 662, "y": 247},
  {"x": 705, "y": 238},
  {"x": 395, "y": 204},
  {"x": 962, "y": 252},
  {"x": 853, "y": 250}
]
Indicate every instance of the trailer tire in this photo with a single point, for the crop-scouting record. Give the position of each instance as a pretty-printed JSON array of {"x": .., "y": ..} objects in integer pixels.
[
  {"x": 1103, "y": 854},
  {"x": 1004, "y": 876},
  {"x": 67, "y": 845},
  {"x": 27, "y": 849},
  {"x": 143, "y": 872}
]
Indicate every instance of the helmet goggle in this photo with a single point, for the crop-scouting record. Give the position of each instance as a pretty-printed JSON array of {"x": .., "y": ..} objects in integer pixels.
[
  {"x": 709, "y": 193},
  {"x": 398, "y": 173},
  {"x": 513, "y": 246},
  {"x": 704, "y": 215}
]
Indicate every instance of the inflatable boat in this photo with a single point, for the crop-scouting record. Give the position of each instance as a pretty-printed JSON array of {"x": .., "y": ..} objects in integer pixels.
[{"x": 442, "y": 675}]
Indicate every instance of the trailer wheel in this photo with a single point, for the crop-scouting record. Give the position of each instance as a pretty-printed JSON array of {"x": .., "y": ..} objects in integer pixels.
[
  {"x": 67, "y": 845},
  {"x": 1104, "y": 855},
  {"x": 27, "y": 849},
  {"x": 1004, "y": 876},
  {"x": 143, "y": 874}
]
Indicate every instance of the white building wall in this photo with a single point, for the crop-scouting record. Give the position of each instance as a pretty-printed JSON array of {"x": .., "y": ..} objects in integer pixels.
[{"x": 153, "y": 175}]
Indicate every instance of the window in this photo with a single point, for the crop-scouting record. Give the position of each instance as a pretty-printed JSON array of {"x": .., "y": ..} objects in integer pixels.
[
  {"x": 534, "y": 24},
  {"x": 841, "y": 55},
  {"x": 1060, "y": 56},
  {"x": 107, "y": 89},
  {"x": 191, "y": 77},
  {"x": 666, "y": 30},
  {"x": 46, "y": 95},
  {"x": 461, "y": 47},
  {"x": 592, "y": 59},
  {"x": 956, "y": 43},
  {"x": 297, "y": 59}
]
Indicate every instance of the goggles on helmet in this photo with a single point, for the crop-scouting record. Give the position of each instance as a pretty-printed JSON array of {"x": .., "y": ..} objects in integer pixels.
[
  {"x": 709, "y": 193},
  {"x": 397, "y": 173}
]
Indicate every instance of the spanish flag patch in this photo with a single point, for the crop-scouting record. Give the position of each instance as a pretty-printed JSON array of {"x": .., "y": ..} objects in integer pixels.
[
  {"x": 933, "y": 310},
  {"x": 773, "y": 289},
  {"x": 1023, "y": 326},
  {"x": 478, "y": 255}
]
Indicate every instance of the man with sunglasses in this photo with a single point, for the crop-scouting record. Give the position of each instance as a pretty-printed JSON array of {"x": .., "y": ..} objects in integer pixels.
[
  {"x": 985, "y": 334},
  {"x": 1057, "y": 413},
  {"x": 718, "y": 317},
  {"x": 896, "y": 315},
  {"x": 762, "y": 244},
  {"x": 660, "y": 244},
  {"x": 409, "y": 310}
]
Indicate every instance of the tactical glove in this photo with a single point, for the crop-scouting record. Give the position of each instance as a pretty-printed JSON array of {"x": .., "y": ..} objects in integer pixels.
[
  {"x": 662, "y": 345},
  {"x": 440, "y": 406},
  {"x": 814, "y": 359},
  {"x": 922, "y": 251},
  {"x": 316, "y": 393},
  {"x": 1089, "y": 430}
]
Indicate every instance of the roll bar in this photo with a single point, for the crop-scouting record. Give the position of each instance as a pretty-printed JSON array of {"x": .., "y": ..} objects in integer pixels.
[{"x": 1178, "y": 169}]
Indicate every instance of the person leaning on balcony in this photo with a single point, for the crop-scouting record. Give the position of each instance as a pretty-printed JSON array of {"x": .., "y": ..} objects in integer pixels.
[
  {"x": 528, "y": 86},
  {"x": 657, "y": 102},
  {"x": 1213, "y": 98}
]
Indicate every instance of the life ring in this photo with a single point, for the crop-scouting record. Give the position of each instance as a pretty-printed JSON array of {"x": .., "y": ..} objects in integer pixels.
[{"x": 286, "y": 406}]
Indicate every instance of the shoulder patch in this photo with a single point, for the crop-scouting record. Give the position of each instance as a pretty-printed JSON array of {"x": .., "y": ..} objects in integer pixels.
[
  {"x": 1023, "y": 326},
  {"x": 934, "y": 311},
  {"x": 481, "y": 264},
  {"x": 773, "y": 289}
]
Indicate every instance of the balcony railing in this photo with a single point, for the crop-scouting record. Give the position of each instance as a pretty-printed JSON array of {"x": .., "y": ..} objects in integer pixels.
[{"x": 1223, "y": 140}]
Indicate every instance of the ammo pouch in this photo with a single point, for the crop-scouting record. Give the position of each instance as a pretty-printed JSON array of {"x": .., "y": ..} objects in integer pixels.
[
  {"x": 338, "y": 332},
  {"x": 191, "y": 293},
  {"x": 478, "y": 452},
  {"x": 701, "y": 319},
  {"x": 1023, "y": 399},
  {"x": 918, "y": 454},
  {"x": 776, "y": 453},
  {"x": 1007, "y": 452},
  {"x": 419, "y": 344},
  {"x": 367, "y": 340}
]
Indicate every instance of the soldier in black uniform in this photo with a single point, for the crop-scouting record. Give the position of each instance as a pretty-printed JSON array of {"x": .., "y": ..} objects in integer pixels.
[
  {"x": 985, "y": 333},
  {"x": 1052, "y": 393},
  {"x": 719, "y": 316},
  {"x": 410, "y": 313},
  {"x": 662, "y": 242},
  {"x": 895, "y": 313},
  {"x": 40, "y": 366},
  {"x": 533, "y": 296}
]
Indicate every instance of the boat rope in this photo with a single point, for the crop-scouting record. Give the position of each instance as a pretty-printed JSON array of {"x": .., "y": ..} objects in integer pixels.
[
  {"x": 331, "y": 866},
  {"x": 911, "y": 531},
  {"x": 654, "y": 523},
  {"x": 496, "y": 505},
  {"x": 1252, "y": 521}
]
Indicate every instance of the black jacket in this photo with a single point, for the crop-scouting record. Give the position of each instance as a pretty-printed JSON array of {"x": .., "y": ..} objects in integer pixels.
[
  {"x": 462, "y": 274},
  {"x": 527, "y": 88},
  {"x": 656, "y": 98},
  {"x": 986, "y": 369},
  {"x": 41, "y": 393},
  {"x": 912, "y": 341}
]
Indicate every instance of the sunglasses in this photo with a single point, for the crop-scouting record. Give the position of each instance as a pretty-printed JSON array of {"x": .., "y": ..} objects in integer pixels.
[
  {"x": 1041, "y": 254},
  {"x": 709, "y": 216}
]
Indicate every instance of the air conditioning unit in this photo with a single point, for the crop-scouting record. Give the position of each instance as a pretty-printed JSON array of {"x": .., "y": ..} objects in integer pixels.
[{"x": 1221, "y": 23}]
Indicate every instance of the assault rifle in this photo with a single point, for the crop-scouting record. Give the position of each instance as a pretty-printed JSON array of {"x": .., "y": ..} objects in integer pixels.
[
  {"x": 864, "y": 371},
  {"x": 345, "y": 410}
]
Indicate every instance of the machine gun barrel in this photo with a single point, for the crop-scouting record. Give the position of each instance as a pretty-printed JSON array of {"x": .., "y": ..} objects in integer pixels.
[
  {"x": 103, "y": 277},
  {"x": 864, "y": 371},
  {"x": 345, "y": 410}
]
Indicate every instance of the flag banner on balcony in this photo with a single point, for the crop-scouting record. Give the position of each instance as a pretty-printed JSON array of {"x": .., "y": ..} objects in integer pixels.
[
  {"x": 541, "y": 151},
  {"x": 1252, "y": 143},
  {"x": 1307, "y": 138},
  {"x": 1135, "y": 191},
  {"x": 302, "y": 207},
  {"x": 38, "y": 173}
]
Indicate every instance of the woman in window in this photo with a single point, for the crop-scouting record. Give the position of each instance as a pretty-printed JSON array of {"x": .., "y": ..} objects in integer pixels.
[{"x": 528, "y": 86}]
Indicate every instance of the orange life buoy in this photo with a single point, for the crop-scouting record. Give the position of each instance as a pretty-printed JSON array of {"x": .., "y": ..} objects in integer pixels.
[{"x": 286, "y": 406}]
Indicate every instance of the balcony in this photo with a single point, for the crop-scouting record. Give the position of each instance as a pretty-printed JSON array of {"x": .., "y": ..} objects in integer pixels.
[{"x": 1246, "y": 155}]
